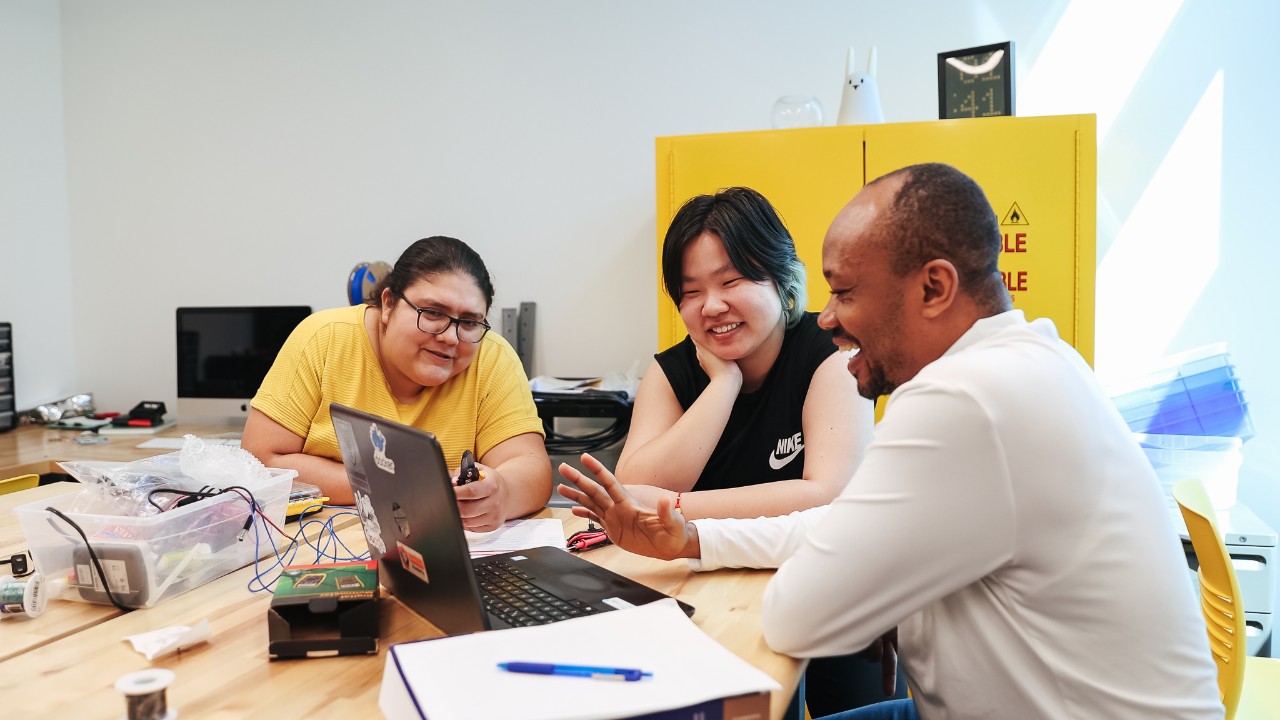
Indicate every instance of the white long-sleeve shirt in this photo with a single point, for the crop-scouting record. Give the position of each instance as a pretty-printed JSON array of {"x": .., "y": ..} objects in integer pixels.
[{"x": 1007, "y": 523}]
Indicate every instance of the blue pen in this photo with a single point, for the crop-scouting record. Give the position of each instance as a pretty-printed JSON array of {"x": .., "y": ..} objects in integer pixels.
[{"x": 604, "y": 673}]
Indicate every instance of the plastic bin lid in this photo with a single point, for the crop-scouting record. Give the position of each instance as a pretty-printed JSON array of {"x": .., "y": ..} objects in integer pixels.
[{"x": 1173, "y": 367}]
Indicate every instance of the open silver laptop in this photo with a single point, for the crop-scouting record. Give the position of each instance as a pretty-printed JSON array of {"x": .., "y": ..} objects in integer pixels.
[{"x": 405, "y": 497}]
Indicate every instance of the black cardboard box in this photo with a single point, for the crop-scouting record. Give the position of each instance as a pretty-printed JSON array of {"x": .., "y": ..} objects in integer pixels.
[{"x": 329, "y": 609}]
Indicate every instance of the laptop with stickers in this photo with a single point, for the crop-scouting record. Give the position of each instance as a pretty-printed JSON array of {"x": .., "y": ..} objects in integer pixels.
[{"x": 405, "y": 498}]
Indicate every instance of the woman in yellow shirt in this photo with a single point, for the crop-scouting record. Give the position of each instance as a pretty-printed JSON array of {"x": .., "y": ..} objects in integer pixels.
[{"x": 418, "y": 353}]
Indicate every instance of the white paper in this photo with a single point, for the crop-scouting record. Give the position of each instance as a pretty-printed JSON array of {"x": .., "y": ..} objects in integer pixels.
[
  {"x": 517, "y": 535},
  {"x": 157, "y": 643},
  {"x": 543, "y": 383},
  {"x": 611, "y": 382},
  {"x": 457, "y": 678}
]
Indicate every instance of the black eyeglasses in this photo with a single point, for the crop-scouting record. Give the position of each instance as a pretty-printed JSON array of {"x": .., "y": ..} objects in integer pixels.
[{"x": 434, "y": 322}]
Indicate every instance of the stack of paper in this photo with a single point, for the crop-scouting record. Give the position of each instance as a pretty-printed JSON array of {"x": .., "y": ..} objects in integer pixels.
[
  {"x": 517, "y": 535},
  {"x": 457, "y": 678}
]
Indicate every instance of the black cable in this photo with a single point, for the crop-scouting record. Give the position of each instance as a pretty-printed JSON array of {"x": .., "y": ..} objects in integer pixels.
[
  {"x": 97, "y": 564},
  {"x": 590, "y": 442},
  {"x": 585, "y": 446},
  {"x": 589, "y": 403},
  {"x": 188, "y": 495},
  {"x": 253, "y": 507},
  {"x": 613, "y": 429},
  {"x": 209, "y": 491}
]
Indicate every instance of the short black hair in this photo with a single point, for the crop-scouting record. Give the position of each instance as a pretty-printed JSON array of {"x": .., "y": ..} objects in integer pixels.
[
  {"x": 941, "y": 213},
  {"x": 432, "y": 256},
  {"x": 757, "y": 242}
]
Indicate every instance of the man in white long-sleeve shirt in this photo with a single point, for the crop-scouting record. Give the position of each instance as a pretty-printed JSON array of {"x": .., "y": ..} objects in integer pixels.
[{"x": 1003, "y": 519}]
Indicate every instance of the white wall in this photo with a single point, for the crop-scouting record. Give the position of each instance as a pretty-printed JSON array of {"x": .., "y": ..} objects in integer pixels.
[
  {"x": 37, "y": 292},
  {"x": 251, "y": 152}
]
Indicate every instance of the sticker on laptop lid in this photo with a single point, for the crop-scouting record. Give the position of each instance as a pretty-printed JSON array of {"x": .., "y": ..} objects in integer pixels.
[
  {"x": 369, "y": 523},
  {"x": 412, "y": 561},
  {"x": 617, "y": 603},
  {"x": 351, "y": 458},
  {"x": 380, "y": 458}
]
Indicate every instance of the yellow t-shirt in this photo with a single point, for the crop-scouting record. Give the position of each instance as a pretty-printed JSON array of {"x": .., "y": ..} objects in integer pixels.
[{"x": 328, "y": 358}]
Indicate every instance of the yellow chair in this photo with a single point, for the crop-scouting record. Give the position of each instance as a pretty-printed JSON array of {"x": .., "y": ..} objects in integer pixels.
[
  {"x": 21, "y": 482},
  {"x": 1250, "y": 686}
]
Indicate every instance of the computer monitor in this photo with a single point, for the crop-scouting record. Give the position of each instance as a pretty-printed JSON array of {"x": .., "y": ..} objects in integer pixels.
[{"x": 223, "y": 355}]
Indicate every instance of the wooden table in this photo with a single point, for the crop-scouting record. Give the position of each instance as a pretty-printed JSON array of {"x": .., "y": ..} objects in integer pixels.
[
  {"x": 64, "y": 663},
  {"x": 33, "y": 449}
]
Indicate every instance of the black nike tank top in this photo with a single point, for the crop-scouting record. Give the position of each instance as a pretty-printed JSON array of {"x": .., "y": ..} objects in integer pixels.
[{"x": 763, "y": 440}]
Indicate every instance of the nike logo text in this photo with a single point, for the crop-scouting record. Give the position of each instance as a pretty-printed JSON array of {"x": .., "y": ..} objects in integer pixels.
[{"x": 788, "y": 449}]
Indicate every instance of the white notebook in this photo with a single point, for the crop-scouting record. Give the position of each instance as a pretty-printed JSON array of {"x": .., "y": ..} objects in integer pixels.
[{"x": 688, "y": 668}]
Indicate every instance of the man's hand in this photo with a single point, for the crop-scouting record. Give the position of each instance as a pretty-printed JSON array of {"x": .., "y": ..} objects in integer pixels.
[
  {"x": 661, "y": 533},
  {"x": 885, "y": 649}
]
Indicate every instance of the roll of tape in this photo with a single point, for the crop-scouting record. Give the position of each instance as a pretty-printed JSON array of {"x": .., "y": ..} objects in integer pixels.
[
  {"x": 18, "y": 597},
  {"x": 144, "y": 694}
]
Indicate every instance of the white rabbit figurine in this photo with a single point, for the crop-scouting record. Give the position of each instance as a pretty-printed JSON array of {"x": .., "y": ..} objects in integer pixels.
[{"x": 860, "y": 98}]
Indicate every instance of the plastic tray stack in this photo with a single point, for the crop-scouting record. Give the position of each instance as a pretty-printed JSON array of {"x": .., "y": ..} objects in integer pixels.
[
  {"x": 1196, "y": 393},
  {"x": 1191, "y": 418}
]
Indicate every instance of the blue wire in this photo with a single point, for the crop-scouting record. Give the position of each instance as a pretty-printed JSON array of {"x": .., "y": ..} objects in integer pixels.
[
  {"x": 280, "y": 561},
  {"x": 326, "y": 536}
]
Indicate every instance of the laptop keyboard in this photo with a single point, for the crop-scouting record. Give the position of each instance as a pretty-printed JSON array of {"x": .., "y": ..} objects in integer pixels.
[{"x": 509, "y": 595}]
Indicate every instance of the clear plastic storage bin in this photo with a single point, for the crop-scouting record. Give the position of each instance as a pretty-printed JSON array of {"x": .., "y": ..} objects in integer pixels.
[
  {"x": 1214, "y": 461},
  {"x": 152, "y": 558}
]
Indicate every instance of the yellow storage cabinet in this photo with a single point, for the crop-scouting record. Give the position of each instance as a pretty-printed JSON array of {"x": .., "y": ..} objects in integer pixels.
[{"x": 1040, "y": 175}]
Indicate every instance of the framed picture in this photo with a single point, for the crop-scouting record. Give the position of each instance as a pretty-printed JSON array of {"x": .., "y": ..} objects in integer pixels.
[{"x": 976, "y": 82}]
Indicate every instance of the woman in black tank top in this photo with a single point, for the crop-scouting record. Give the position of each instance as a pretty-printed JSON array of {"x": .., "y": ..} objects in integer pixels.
[{"x": 754, "y": 413}]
